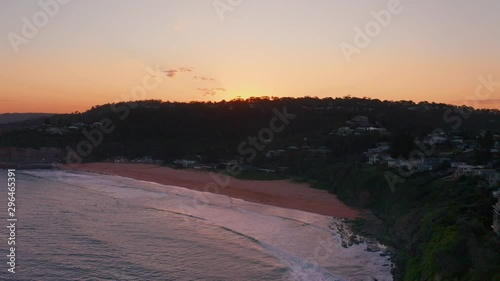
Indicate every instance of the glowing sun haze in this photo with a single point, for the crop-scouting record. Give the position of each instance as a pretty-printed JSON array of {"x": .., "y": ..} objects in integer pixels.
[{"x": 93, "y": 52}]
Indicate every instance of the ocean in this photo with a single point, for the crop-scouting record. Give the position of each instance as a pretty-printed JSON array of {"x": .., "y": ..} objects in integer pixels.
[{"x": 85, "y": 226}]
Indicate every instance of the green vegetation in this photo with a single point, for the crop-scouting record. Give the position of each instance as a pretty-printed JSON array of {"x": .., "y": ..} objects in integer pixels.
[{"x": 441, "y": 229}]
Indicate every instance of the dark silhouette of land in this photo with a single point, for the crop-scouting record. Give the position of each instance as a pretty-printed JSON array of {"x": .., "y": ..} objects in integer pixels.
[{"x": 19, "y": 117}]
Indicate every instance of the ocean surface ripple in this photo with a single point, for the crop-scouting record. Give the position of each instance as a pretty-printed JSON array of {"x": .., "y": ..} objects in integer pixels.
[{"x": 84, "y": 226}]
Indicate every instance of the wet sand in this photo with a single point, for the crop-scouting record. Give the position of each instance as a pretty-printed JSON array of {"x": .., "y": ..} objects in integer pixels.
[{"x": 281, "y": 193}]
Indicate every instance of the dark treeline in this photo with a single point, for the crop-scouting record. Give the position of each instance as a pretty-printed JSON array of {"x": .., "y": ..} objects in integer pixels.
[{"x": 166, "y": 130}]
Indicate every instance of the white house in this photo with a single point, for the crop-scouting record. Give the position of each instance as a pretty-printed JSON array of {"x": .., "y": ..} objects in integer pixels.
[
  {"x": 465, "y": 170},
  {"x": 344, "y": 131},
  {"x": 457, "y": 141},
  {"x": 373, "y": 159},
  {"x": 185, "y": 163}
]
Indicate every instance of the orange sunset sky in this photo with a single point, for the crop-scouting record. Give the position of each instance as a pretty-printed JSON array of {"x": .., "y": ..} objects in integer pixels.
[{"x": 93, "y": 52}]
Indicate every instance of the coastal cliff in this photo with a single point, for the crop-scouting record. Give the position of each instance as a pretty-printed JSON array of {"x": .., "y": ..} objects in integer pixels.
[{"x": 441, "y": 230}]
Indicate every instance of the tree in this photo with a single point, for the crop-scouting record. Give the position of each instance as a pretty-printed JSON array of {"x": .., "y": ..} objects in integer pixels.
[
  {"x": 402, "y": 145},
  {"x": 487, "y": 141}
]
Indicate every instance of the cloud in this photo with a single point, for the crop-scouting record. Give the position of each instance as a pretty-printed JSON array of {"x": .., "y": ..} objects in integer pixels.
[
  {"x": 185, "y": 69},
  {"x": 211, "y": 91},
  {"x": 204, "y": 78},
  {"x": 173, "y": 72}
]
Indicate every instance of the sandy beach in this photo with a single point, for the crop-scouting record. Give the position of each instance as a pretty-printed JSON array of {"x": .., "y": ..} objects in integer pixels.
[{"x": 281, "y": 193}]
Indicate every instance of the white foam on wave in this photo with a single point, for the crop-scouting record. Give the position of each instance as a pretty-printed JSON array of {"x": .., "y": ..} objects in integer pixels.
[{"x": 302, "y": 241}]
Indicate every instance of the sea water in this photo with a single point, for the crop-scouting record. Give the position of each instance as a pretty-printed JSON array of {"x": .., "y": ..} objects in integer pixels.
[{"x": 86, "y": 226}]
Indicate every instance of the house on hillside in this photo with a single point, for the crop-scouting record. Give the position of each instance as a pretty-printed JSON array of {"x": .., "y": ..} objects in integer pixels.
[
  {"x": 377, "y": 131},
  {"x": 79, "y": 125},
  {"x": 378, "y": 154},
  {"x": 465, "y": 170},
  {"x": 468, "y": 145},
  {"x": 456, "y": 141},
  {"x": 120, "y": 159},
  {"x": 373, "y": 159},
  {"x": 96, "y": 125},
  {"x": 323, "y": 151},
  {"x": 359, "y": 121},
  {"x": 488, "y": 177},
  {"x": 344, "y": 131},
  {"x": 55, "y": 131},
  {"x": 183, "y": 163},
  {"x": 401, "y": 163},
  {"x": 359, "y": 131},
  {"x": 432, "y": 164},
  {"x": 436, "y": 138},
  {"x": 457, "y": 164},
  {"x": 274, "y": 153}
]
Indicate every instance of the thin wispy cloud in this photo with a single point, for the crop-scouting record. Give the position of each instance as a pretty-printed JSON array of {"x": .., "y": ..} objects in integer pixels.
[
  {"x": 203, "y": 78},
  {"x": 173, "y": 72},
  {"x": 211, "y": 91},
  {"x": 185, "y": 69}
]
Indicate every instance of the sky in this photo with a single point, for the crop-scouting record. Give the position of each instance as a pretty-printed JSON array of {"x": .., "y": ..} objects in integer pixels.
[{"x": 63, "y": 57}]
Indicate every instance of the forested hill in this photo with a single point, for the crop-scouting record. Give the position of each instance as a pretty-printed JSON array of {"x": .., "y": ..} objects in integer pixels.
[
  {"x": 19, "y": 117},
  {"x": 167, "y": 130}
]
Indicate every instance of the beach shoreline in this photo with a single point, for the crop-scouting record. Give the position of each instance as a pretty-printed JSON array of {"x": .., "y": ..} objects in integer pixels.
[{"x": 279, "y": 193}]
